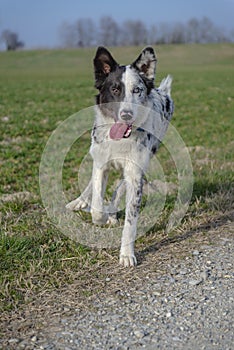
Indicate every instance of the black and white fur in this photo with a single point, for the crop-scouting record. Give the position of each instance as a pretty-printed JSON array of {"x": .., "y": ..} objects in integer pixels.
[{"x": 122, "y": 91}]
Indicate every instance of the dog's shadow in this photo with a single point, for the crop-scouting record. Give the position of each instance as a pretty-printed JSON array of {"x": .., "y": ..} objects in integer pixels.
[
  {"x": 215, "y": 224},
  {"x": 222, "y": 218}
]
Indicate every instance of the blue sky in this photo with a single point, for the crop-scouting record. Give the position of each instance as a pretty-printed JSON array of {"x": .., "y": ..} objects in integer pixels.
[{"x": 37, "y": 21}]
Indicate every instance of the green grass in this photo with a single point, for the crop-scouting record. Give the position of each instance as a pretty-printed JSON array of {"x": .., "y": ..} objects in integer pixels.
[{"x": 39, "y": 89}]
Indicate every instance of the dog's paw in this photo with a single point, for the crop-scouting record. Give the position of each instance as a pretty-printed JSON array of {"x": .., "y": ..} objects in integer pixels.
[
  {"x": 128, "y": 260},
  {"x": 99, "y": 218},
  {"x": 112, "y": 220},
  {"x": 77, "y": 204}
]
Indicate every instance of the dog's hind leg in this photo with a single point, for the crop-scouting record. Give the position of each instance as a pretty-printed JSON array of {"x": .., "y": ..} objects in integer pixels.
[
  {"x": 83, "y": 202},
  {"x": 134, "y": 184}
]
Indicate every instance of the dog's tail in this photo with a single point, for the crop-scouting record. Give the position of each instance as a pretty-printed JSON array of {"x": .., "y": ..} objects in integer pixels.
[{"x": 165, "y": 85}]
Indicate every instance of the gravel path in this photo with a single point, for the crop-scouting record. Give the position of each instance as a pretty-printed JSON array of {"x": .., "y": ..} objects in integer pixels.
[{"x": 181, "y": 296}]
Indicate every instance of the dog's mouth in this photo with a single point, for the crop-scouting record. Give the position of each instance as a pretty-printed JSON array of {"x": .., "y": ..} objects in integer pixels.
[{"x": 119, "y": 131}]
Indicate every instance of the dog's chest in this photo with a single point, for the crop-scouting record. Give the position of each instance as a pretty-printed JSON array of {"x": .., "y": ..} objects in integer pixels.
[
  {"x": 118, "y": 153},
  {"x": 113, "y": 152}
]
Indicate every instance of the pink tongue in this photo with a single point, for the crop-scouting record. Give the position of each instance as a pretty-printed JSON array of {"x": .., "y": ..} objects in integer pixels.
[{"x": 118, "y": 131}]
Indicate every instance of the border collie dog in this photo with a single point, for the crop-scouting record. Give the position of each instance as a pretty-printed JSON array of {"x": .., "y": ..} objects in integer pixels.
[{"x": 129, "y": 113}]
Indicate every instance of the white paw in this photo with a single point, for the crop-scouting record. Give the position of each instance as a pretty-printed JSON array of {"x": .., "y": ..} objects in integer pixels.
[
  {"x": 127, "y": 260},
  {"x": 98, "y": 217},
  {"x": 77, "y": 204},
  {"x": 112, "y": 220}
]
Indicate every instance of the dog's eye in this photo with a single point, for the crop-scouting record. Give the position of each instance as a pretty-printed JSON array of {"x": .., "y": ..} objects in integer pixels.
[
  {"x": 115, "y": 90},
  {"x": 136, "y": 90}
]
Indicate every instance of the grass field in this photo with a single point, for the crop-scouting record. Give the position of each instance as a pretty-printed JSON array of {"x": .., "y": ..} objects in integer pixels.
[{"x": 38, "y": 90}]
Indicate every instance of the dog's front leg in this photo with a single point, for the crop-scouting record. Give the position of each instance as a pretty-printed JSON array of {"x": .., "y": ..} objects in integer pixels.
[
  {"x": 99, "y": 181},
  {"x": 133, "y": 200},
  {"x": 115, "y": 201}
]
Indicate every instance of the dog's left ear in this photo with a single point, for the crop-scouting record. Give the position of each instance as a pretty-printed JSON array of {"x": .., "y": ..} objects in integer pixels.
[
  {"x": 146, "y": 63},
  {"x": 104, "y": 63}
]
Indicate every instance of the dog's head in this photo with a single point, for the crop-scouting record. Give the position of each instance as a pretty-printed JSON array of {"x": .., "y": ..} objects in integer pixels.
[{"x": 123, "y": 88}]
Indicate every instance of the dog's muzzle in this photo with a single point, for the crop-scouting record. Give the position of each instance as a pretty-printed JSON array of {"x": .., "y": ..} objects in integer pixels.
[{"x": 126, "y": 115}]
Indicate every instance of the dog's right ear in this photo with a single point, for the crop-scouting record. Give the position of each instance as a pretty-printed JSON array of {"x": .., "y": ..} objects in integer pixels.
[{"x": 104, "y": 63}]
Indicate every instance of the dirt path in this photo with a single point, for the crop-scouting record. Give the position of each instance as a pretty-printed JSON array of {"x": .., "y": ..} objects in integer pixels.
[{"x": 180, "y": 296}]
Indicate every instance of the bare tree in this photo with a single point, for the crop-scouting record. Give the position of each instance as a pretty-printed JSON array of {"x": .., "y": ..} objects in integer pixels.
[
  {"x": 211, "y": 33},
  {"x": 135, "y": 33},
  {"x": 153, "y": 35},
  {"x": 85, "y": 32},
  {"x": 109, "y": 31},
  {"x": 204, "y": 31},
  {"x": 231, "y": 35},
  {"x": 178, "y": 34},
  {"x": 164, "y": 33},
  {"x": 68, "y": 35},
  {"x": 193, "y": 31},
  {"x": 11, "y": 40}
]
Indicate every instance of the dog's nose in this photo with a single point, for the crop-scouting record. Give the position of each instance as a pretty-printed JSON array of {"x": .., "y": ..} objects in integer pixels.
[{"x": 126, "y": 115}]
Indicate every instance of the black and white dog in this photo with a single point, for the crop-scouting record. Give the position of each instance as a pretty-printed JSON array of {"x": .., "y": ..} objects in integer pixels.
[{"x": 129, "y": 113}]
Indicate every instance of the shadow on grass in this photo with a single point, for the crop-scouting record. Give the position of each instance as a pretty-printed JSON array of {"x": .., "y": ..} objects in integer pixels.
[{"x": 216, "y": 204}]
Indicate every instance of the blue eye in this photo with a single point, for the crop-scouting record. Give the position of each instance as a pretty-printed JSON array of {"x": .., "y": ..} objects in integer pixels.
[{"x": 136, "y": 90}]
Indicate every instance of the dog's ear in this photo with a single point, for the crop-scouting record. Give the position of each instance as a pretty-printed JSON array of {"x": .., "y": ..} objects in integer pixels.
[
  {"x": 146, "y": 64},
  {"x": 104, "y": 63}
]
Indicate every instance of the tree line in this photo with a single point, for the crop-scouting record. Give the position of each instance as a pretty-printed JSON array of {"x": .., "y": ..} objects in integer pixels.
[{"x": 85, "y": 33}]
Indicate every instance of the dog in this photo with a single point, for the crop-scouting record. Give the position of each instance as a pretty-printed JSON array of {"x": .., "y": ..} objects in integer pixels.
[{"x": 129, "y": 111}]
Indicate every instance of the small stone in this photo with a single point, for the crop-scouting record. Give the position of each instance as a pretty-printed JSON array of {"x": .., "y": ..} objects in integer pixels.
[
  {"x": 168, "y": 314},
  {"x": 156, "y": 293},
  {"x": 108, "y": 279},
  {"x": 204, "y": 275},
  {"x": 66, "y": 309},
  {"x": 139, "y": 334},
  {"x": 194, "y": 282},
  {"x": 63, "y": 321},
  {"x": 13, "y": 341},
  {"x": 196, "y": 252},
  {"x": 176, "y": 339},
  {"x": 34, "y": 338}
]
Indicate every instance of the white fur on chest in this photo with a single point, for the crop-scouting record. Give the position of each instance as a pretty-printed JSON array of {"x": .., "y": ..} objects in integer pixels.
[{"x": 120, "y": 154}]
